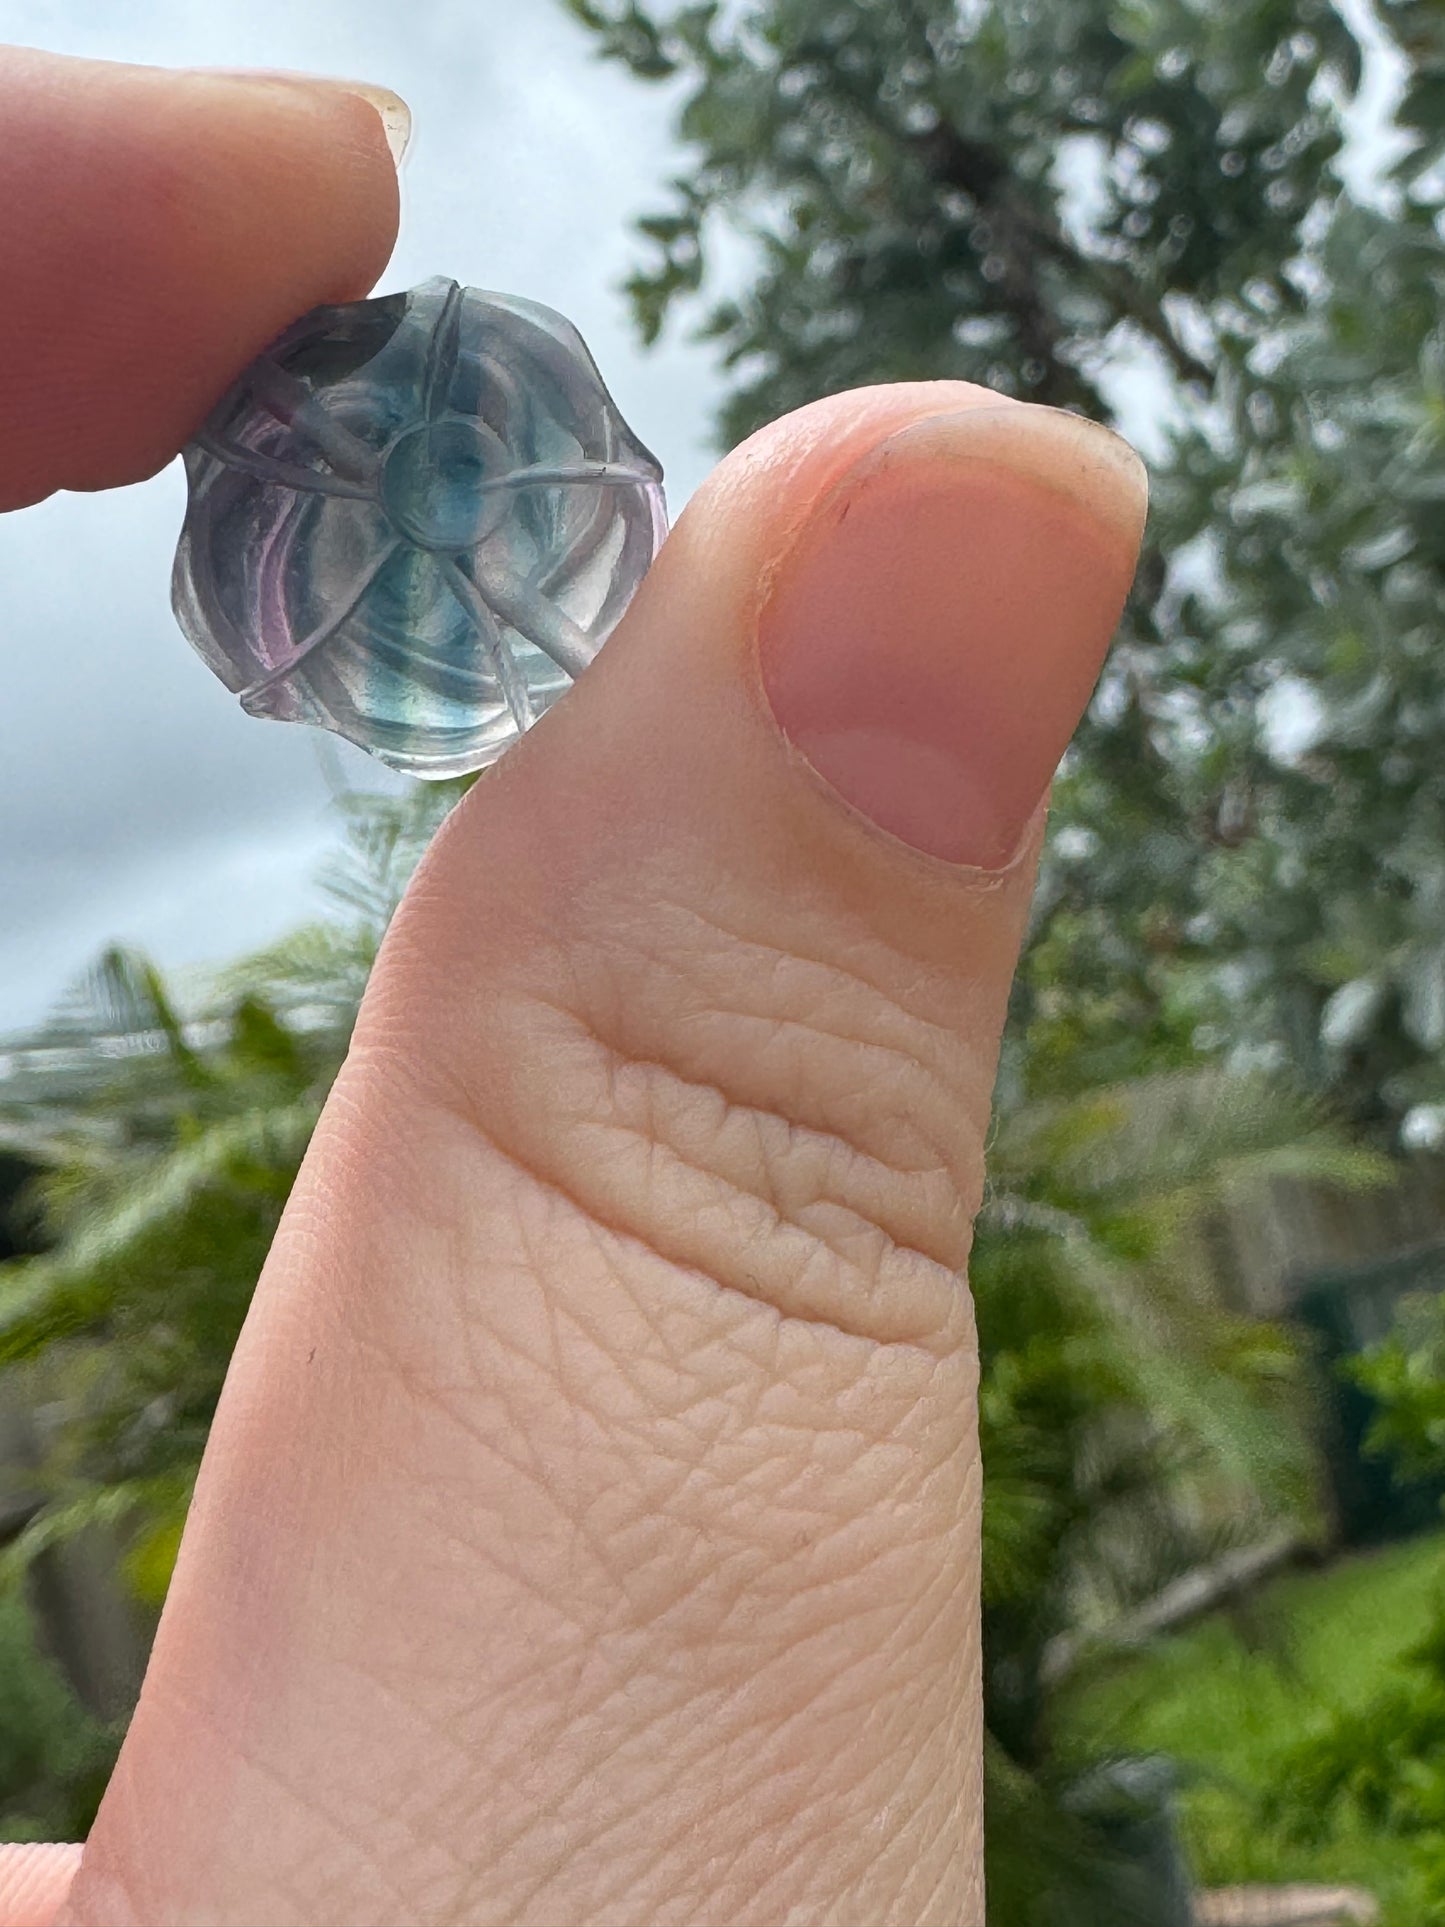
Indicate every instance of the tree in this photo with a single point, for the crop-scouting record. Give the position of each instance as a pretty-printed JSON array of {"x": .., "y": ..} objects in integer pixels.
[
  {"x": 1042, "y": 197},
  {"x": 1132, "y": 1427}
]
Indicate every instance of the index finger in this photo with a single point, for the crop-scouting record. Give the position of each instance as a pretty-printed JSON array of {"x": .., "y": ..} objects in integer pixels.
[{"x": 157, "y": 229}]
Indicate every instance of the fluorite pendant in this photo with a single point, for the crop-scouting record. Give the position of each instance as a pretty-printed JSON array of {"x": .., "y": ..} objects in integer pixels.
[{"x": 414, "y": 521}]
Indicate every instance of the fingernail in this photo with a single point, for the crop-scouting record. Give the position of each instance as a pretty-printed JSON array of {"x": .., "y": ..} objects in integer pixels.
[
  {"x": 394, "y": 112},
  {"x": 934, "y": 633},
  {"x": 389, "y": 107}
]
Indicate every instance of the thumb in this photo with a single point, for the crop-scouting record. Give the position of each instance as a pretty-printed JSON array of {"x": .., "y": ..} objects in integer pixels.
[
  {"x": 34, "y": 1881},
  {"x": 589, "y": 1531}
]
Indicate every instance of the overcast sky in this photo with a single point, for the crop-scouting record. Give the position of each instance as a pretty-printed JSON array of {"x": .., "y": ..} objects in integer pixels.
[{"x": 137, "y": 802}]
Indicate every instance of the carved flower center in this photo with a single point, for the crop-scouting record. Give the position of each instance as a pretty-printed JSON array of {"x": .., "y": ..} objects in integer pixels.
[{"x": 432, "y": 483}]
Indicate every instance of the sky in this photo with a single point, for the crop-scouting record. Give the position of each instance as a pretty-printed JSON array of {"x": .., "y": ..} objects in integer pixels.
[{"x": 137, "y": 803}]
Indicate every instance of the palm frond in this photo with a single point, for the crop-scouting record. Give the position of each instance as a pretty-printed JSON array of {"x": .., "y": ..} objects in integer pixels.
[
  {"x": 111, "y": 1507},
  {"x": 386, "y": 838}
]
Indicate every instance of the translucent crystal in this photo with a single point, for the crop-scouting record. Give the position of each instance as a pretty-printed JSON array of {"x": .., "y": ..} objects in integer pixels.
[{"x": 413, "y": 521}]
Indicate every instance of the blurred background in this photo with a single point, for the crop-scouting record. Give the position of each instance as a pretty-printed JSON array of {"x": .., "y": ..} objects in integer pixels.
[{"x": 1209, "y": 1270}]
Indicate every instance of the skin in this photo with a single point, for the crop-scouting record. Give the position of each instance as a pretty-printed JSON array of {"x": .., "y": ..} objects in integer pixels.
[{"x": 590, "y": 1527}]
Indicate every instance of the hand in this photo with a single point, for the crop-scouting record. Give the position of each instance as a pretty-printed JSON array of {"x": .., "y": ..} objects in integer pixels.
[{"x": 590, "y": 1528}]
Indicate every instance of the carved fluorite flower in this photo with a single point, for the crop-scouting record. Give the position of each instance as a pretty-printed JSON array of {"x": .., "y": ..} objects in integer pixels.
[{"x": 413, "y": 521}]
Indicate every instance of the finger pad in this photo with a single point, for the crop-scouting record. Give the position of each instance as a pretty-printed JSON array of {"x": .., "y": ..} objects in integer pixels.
[
  {"x": 34, "y": 1882},
  {"x": 158, "y": 229}
]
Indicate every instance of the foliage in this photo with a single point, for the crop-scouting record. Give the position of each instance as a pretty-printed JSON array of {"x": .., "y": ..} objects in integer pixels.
[
  {"x": 54, "y": 1758},
  {"x": 1405, "y": 1374},
  {"x": 1236, "y": 1697},
  {"x": 1132, "y": 1427},
  {"x": 1383, "y": 1762},
  {"x": 167, "y": 1140},
  {"x": 1082, "y": 202}
]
